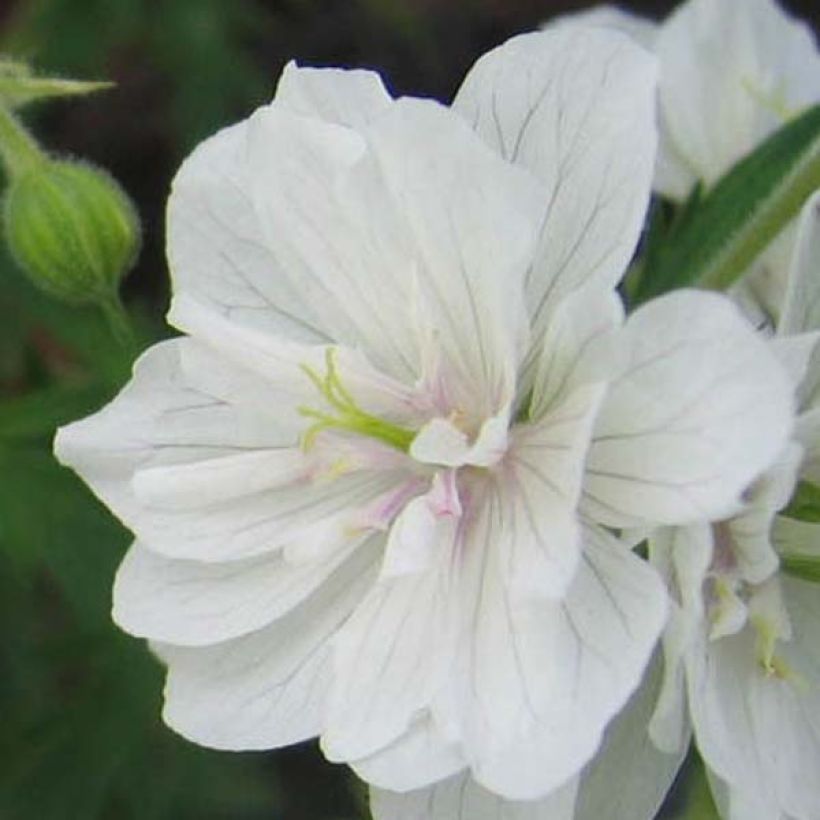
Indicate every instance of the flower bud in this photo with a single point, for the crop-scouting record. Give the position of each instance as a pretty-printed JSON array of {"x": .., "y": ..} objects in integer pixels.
[{"x": 72, "y": 229}]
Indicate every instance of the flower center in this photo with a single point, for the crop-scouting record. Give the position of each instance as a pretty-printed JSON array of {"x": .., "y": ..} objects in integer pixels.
[{"x": 345, "y": 414}]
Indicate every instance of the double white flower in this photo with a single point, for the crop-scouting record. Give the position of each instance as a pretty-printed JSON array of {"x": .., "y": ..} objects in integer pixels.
[{"x": 370, "y": 483}]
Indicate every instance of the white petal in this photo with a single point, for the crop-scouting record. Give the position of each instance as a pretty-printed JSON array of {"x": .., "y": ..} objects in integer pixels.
[
  {"x": 426, "y": 522},
  {"x": 578, "y": 346},
  {"x": 801, "y": 304},
  {"x": 798, "y": 355},
  {"x": 539, "y": 539},
  {"x": 462, "y": 797},
  {"x": 750, "y": 530},
  {"x": 758, "y": 730},
  {"x": 700, "y": 411},
  {"x": 191, "y": 604},
  {"x": 575, "y": 105},
  {"x": 542, "y": 679},
  {"x": 628, "y": 778},
  {"x": 682, "y": 556},
  {"x": 641, "y": 29},
  {"x": 390, "y": 658},
  {"x": 351, "y": 98},
  {"x": 420, "y": 756},
  {"x": 266, "y": 689},
  {"x": 441, "y": 442},
  {"x": 190, "y": 416},
  {"x": 217, "y": 249},
  {"x": 365, "y": 222},
  {"x": 731, "y": 73}
]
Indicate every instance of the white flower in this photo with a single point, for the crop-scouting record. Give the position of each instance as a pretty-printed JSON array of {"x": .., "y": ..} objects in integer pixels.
[
  {"x": 743, "y": 637},
  {"x": 355, "y": 482}
]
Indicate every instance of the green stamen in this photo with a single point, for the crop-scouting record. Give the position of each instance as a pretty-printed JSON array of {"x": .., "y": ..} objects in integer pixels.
[{"x": 348, "y": 415}]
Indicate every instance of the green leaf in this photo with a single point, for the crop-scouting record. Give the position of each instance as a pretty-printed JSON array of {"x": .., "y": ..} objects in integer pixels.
[
  {"x": 804, "y": 504},
  {"x": 715, "y": 243},
  {"x": 805, "y": 567}
]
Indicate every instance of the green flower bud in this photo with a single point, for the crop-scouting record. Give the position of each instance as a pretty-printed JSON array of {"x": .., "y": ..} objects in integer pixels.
[{"x": 72, "y": 229}]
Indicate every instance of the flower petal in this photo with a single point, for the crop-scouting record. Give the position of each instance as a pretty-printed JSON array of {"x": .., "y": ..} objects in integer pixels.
[
  {"x": 543, "y": 678},
  {"x": 756, "y": 729},
  {"x": 641, "y": 29},
  {"x": 575, "y": 346},
  {"x": 702, "y": 408},
  {"x": 539, "y": 538},
  {"x": 161, "y": 453},
  {"x": 682, "y": 556},
  {"x": 628, "y": 778},
  {"x": 333, "y": 95},
  {"x": 801, "y": 303},
  {"x": 190, "y": 603},
  {"x": 266, "y": 689},
  {"x": 420, "y": 756},
  {"x": 460, "y": 796},
  {"x": 390, "y": 657},
  {"x": 369, "y": 224},
  {"x": 218, "y": 253},
  {"x": 574, "y": 105},
  {"x": 750, "y": 529}
]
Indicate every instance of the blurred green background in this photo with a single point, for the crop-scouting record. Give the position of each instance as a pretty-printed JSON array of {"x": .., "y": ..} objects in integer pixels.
[{"x": 81, "y": 736}]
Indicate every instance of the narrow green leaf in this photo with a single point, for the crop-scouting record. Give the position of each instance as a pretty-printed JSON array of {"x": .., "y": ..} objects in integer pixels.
[
  {"x": 805, "y": 503},
  {"x": 721, "y": 236},
  {"x": 805, "y": 567}
]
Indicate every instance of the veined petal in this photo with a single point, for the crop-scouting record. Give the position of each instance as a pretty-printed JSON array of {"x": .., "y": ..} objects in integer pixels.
[
  {"x": 682, "y": 556},
  {"x": 333, "y": 95},
  {"x": 543, "y": 678},
  {"x": 801, "y": 303},
  {"x": 190, "y": 603},
  {"x": 758, "y": 729},
  {"x": 422, "y": 527},
  {"x": 539, "y": 537},
  {"x": 218, "y": 253},
  {"x": 189, "y": 416},
  {"x": 701, "y": 409},
  {"x": 750, "y": 529},
  {"x": 575, "y": 106},
  {"x": 629, "y": 778},
  {"x": 641, "y": 29},
  {"x": 366, "y": 229},
  {"x": 420, "y": 756},
  {"x": 460, "y": 796},
  {"x": 578, "y": 346},
  {"x": 732, "y": 72},
  {"x": 269, "y": 688},
  {"x": 441, "y": 442},
  {"x": 390, "y": 658}
]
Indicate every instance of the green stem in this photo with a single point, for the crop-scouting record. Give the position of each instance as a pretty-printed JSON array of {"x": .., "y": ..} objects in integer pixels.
[
  {"x": 118, "y": 321},
  {"x": 774, "y": 214},
  {"x": 19, "y": 150}
]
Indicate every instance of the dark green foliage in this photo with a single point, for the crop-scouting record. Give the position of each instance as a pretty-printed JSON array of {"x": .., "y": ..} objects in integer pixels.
[{"x": 718, "y": 234}]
